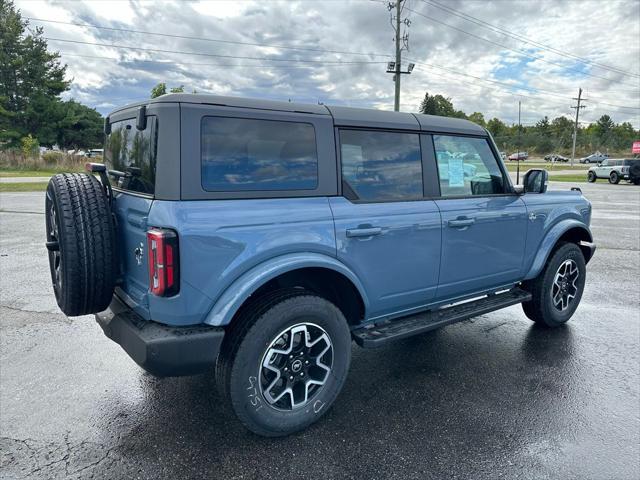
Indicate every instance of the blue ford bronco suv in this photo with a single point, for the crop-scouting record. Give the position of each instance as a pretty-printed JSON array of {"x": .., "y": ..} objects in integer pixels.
[{"x": 259, "y": 238}]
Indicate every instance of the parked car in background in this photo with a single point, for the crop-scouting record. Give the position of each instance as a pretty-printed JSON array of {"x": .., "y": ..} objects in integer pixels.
[
  {"x": 518, "y": 156},
  {"x": 94, "y": 152},
  {"x": 615, "y": 170},
  {"x": 554, "y": 157},
  {"x": 259, "y": 238},
  {"x": 596, "y": 157}
]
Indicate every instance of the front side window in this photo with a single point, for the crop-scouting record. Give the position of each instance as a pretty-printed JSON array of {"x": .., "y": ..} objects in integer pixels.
[
  {"x": 381, "y": 166},
  {"x": 241, "y": 154},
  {"x": 133, "y": 153},
  {"x": 467, "y": 166}
]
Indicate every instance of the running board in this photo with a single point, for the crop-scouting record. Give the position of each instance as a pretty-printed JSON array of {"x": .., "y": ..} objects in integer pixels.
[{"x": 376, "y": 335}]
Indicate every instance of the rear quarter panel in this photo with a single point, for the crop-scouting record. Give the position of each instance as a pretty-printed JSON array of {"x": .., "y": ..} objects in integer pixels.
[{"x": 220, "y": 240}]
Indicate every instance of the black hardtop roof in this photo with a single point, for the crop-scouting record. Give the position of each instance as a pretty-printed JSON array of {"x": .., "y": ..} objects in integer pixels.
[{"x": 342, "y": 116}]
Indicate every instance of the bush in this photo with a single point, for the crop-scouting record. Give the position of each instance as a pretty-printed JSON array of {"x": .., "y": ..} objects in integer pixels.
[
  {"x": 29, "y": 146},
  {"x": 52, "y": 158}
]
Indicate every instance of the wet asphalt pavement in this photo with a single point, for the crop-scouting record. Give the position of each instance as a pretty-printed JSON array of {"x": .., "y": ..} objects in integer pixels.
[{"x": 494, "y": 397}]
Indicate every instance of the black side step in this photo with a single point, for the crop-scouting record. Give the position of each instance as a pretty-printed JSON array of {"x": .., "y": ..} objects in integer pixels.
[{"x": 376, "y": 335}]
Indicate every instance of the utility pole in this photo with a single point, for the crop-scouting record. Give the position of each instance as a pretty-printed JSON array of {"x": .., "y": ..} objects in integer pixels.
[
  {"x": 396, "y": 104},
  {"x": 396, "y": 67},
  {"x": 518, "y": 154},
  {"x": 575, "y": 127}
]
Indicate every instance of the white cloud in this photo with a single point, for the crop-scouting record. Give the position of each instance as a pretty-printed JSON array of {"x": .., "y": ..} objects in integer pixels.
[{"x": 604, "y": 32}]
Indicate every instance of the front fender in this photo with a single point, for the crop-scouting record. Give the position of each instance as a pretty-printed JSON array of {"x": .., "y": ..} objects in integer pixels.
[
  {"x": 549, "y": 241},
  {"x": 226, "y": 306}
]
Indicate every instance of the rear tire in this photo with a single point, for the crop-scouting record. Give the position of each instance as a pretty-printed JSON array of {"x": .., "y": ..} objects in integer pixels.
[
  {"x": 81, "y": 243},
  {"x": 555, "y": 300},
  {"x": 614, "y": 178},
  {"x": 591, "y": 177},
  {"x": 253, "y": 376}
]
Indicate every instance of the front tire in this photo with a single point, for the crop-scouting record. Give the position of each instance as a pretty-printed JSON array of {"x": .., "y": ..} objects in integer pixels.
[
  {"x": 557, "y": 290},
  {"x": 591, "y": 177},
  {"x": 614, "y": 178},
  {"x": 284, "y": 362}
]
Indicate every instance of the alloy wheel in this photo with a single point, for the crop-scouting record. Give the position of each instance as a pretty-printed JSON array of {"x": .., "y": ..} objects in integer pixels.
[
  {"x": 295, "y": 366},
  {"x": 564, "y": 289}
]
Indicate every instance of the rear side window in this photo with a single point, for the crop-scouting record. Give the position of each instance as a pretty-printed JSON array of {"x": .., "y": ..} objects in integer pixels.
[
  {"x": 240, "y": 154},
  {"x": 133, "y": 153},
  {"x": 467, "y": 166},
  {"x": 381, "y": 166}
]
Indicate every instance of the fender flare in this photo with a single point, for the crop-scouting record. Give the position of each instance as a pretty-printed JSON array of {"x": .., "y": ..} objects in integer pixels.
[
  {"x": 228, "y": 303},
  {"x": 550, "y": 240}
]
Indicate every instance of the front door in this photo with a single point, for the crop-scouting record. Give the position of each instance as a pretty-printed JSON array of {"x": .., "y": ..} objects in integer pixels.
[
  {"x": 483, "y": 223},
  {"x": 386, "y": 231}
]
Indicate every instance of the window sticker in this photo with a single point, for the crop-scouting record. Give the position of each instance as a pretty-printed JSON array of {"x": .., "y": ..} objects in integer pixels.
[{"x": 456, "y": 172}]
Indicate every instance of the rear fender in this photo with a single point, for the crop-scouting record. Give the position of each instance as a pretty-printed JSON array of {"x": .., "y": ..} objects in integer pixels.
[
  {"x": 550, "y": 240},
  {"x": 226, "y": 306}
]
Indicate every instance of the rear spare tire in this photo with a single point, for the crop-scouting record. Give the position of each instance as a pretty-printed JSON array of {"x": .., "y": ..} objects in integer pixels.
[{"x": 81, "y": 243}]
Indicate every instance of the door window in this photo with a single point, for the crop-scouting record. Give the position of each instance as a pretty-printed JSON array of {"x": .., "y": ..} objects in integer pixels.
[
  {"x": 467, "y": 166},
  {"x": 381, "y": 166}
]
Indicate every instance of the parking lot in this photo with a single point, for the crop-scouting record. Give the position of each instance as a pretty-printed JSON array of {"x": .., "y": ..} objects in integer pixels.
[{"x": 493, "y": 397}]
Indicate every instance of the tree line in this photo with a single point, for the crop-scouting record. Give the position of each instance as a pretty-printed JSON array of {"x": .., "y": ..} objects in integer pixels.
[
  {"x": 32, "y": 112},
  {"x": 546, "y": 136},
  {"x": 32, "y": 80}
]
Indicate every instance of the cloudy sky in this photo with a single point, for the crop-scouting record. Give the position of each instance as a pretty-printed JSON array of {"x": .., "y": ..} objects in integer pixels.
[{"x": 485, "y": 55}]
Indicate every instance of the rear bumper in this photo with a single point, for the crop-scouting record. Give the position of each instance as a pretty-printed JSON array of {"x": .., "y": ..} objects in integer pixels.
[{"x": 161, "y": 350}]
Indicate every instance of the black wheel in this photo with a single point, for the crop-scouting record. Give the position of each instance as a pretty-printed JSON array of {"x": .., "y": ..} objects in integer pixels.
[
  {"x": 591, "y": 177},
  {"x": 636, "y": 181},
  {"x": 558, "y": 288},
  {"x": 614, "y": 178},
  {"x": 81, "y": 243},
  {"x": 284, "y": 361}
]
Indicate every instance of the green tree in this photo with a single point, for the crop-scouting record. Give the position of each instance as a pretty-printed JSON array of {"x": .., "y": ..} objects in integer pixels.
[
  {"x": 79, "y": 126},
  {"x": 603, "y": 130},
  {"x": 477, "y": 117},
  {"x": 30, "y": 76},
  {"x": 159, "y": 89},
  {"x": 497, "y": 127}
]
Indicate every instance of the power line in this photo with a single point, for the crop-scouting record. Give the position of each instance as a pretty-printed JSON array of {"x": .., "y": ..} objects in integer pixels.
[
  {"x": 215, "y": 40},
  {"x": 524, "y": 39},
  {"x": 200, "y": 54},
  {"x": 515, "y": 50},
  {"x": 512, "y": 86},
  {"x": 171, "y": 62}
]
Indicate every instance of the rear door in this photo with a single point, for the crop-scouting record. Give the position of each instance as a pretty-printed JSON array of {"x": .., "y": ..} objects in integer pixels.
[
  {"x": 386, "y": 230},
  {"x": 130, "y": 155},
  {"x": 484, "y": 224}
]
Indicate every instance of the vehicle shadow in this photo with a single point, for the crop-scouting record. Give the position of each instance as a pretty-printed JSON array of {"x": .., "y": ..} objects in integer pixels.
[{"x": 408, "y": 409}]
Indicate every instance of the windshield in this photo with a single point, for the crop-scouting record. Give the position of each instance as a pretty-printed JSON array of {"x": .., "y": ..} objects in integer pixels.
[{"x": 130, "y": 155}]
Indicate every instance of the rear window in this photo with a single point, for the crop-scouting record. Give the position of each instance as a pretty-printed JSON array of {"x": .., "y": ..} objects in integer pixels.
[
  {"x": 241, "y": 154},
  {"x": 629, "y": 162},
  {"x": 133, "y": 152}
]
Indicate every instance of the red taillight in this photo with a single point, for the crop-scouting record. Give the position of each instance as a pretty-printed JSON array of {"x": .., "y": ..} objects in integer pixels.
[{"x": 164, "y": 273}]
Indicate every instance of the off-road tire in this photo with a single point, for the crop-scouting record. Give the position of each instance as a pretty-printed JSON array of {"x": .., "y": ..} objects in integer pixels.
[
  {"x": 81, "y": 242},
  {"x": 247, "y": 340},
  {"x": 614, "y": 178},
  {"x": 541, "y": 308},
  {"x": 591, "y": 177}
]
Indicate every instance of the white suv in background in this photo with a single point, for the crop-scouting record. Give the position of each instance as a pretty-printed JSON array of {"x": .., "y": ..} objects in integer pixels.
[{"x": 615, "y": 170}]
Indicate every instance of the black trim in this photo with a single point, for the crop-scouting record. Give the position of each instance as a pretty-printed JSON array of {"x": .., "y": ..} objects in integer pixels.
[{"x": 160, "y": 349}]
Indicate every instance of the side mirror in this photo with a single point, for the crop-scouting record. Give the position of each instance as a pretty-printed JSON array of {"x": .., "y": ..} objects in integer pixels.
[
  {"x": 599, "y": 164},
  {"x": 535, "y": 180}
]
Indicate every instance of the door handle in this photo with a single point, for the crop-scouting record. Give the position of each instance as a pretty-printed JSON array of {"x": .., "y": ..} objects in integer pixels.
[
  {"x": 363, "y": 232},
  {"x": 461, "y": 222}
]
